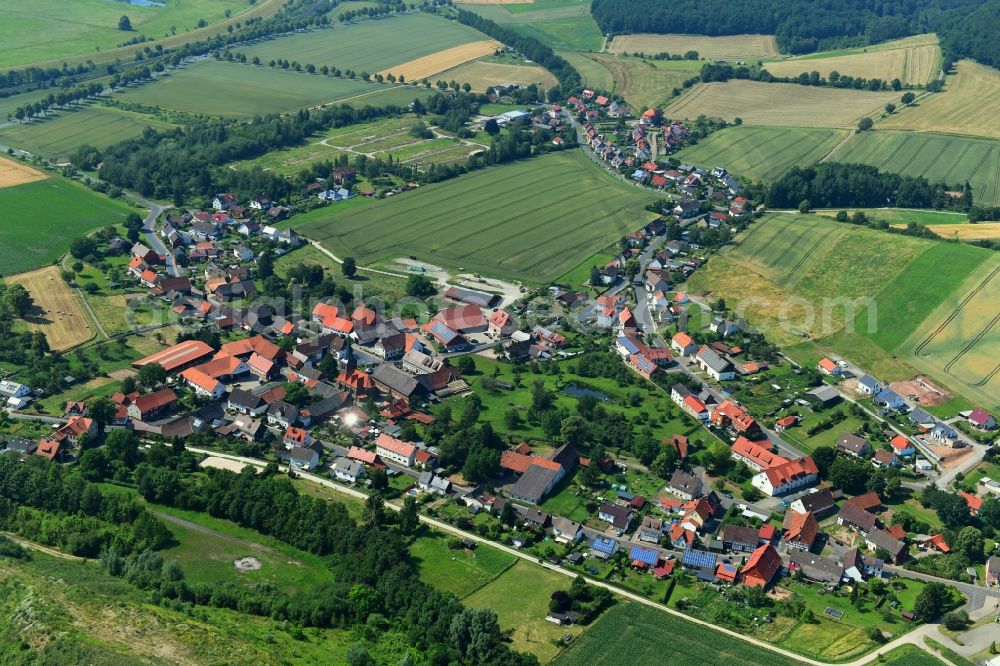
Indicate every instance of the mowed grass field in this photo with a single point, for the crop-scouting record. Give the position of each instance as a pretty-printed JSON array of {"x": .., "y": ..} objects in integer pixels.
[
  {"x": 631, "y": 633},
  {"x": 57, "y": 312},
  {"x": 764, "y": 153},
  {"x": 372, "y": 46},
  {"x": 561, "y": 24},
  {"x": 914, "y": 60},
  {"x": 243, "y": 91},
  {"x": 644, "y": 83},
  {"x": 732, "y": 47},
  {"x": 531, "y": 220},
  {"x": 38, "y": 30},
  {"x": 595, "y": 75},
  {"x": 58, "y": 135},
  {"x": 481, "y": 74},
  {"x": 784, "y": 104},
  {"x": 938, "y": 158},
  {"x": 459, "y": 572},
  {"x": 42, "y": 218},
  {"x": 967, "y": 106}
]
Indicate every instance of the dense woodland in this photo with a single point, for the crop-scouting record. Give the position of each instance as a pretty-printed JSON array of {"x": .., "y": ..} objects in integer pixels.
[{"x": 967, "y": 28}]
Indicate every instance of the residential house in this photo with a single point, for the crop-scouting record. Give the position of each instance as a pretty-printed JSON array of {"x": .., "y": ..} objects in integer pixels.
[
  {"x": 347, "y": 470},
  {"x": 868, "y": 385},
  {"x": 801, "y": 530},
  {"x": 944, "y": 434},
  {"x": 395, "y": 450},
  {"x": 303, "y": 458},
  {"x": 245, "y": 402},
  {"x": 223, "y": 201},
  {"x": 890, "y": 400},
  {"x": 981, "y": 419},
  {"x": 787, "y": 477},
  {"x": 881, "y": 540},
  {"x": 828, "y": 367},
  {"x": 816, "y": 568},
  {"x": 651, "y": 529},
  {"x": 390, "y": 347},
  {"x": 618, "y": 516},
  {"x": 859, "y": 568},
  {"x": 853, "y": 445},
  {"x": 883, "y": 459},
  {"x": 856, "y": 519},
  {"x": 902, "y": 447},
  {"x": 739, "y": 538},
  {"x": 281, "y": 413},
  {"x": 762, "y": 567},
  {"x": 992, "y": 577},
  {"x": 603, "y": 547},
  {"x": 684, "y": 485},
  {"x": 396, "y": 383},
  {"x": 50, "y": 449},
  {"x": 869, "y": 502},
  {"x": 717, "y": 367},
  {"x": 565, "y": 530},
  {"x": 683, "y": 345},
  {"x": 974, "y": 502},
  {"x": 148, "y": 407},
  {"x": 296, "y": 437},
  {"x": 755, "y": 455},
  {"x": 432, "y": 483},
  {"x": 820, "y": 503}
]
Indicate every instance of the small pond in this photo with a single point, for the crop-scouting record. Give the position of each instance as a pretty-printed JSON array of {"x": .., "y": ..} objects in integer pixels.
[
  {"x": 580, "y": 392},
  {"x": 143, "y": 3}
]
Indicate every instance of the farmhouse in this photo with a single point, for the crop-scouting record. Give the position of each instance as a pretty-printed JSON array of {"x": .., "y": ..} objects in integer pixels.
[
  {"x": 800, "y": 529},
  {"x": 714, "y": 365},
  {"x": 783, "y": 479},
  {"x": 763, "y": 565}
]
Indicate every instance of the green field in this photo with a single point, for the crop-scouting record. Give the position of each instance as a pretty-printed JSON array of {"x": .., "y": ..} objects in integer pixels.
[
  {"x": 58, "y": 135},
  {"x": 520, "y": 598},
  {"x": 951, "y": 159},
  {"x": 244, "y": 91},
  {"x": 564, "y": 25},
  {"x": 45, "y": 216},
  {"x": 910, "y": 655},
  {"x": 459, "y": 572},
  {"x": 595, "y": 75},
  {"x": 362, "y": 46},
  {"x": 904, "y": 215},
  {"x": 764, "y": 153},
  {"x": 37, "y": 30},
  {"x": 533, "y": 220},
  {"x": 634, "y": 634}
]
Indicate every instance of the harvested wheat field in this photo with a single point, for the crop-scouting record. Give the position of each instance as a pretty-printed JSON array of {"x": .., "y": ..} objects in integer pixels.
[
  {"x": 481, "y": 75},
  {"x": 14, "y": 173},
  {"x": 912, "y": 61},
  {"x": 964, "y": 232},
  {"x": 786, "y": 104},
  {"x": 734, "y": 47},
  {"x": 435, "y": 63},
  {"x": 57, "y": 311},
  {"x": 967, "y": 106}
]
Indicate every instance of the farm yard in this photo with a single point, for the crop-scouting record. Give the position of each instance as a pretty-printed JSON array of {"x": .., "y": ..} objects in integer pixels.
[
  {"x": 56, "y": 136},
  {"x": 914, "y": 60},
  {"x": 967, "y": 106},
  {"x": 634, "y": 633},
  {"x": 734, "y": 47},
  {"x": 531, "y": 220},
  {"x": 14, "y": 173},
  {"x": 57, "y": 311},
  {"x": 645, "y": 83},
  {"x": 783, "y": 104},
  {"x": 83, "y": 26},
  {"x": 481, "y": 74},
  {"x": 42, "y": 234},
  {"x": 243, "y": 91},
  {"x": 362, "y": 46},
  {"x": 764, "y": 153},
  {"x": 938, "y": 158}
]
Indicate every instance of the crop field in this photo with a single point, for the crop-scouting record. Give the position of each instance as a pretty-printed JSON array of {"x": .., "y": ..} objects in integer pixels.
[
  {"x": 967, "y": 233},
  {"x": 904, "y": 216},
  {"x": 967, "y": 106},
  {"x": 634, "y": 634},
  {"x": 595, "y": 75},
  {"x": 530, "y": 220},
  {"x": 910, "y": 655},
  {"x": 938, "y": 158},
  {"x": 14, "y": 173},
  {"x": 39, "y": 30},
  {"x": 784, "y": 104},
  {"x": 481, "y": 74},
  {"x": 959, "y": 340},
  {"x": 645, "y": 83},
  {"x": 733, "y": 47},
  {"x": 914, "y": 60},
  {"x": 58, "y": 135},
  {"x": 243, "y": 91},
  {"x": 429, "y": 65},
  {"x": 764, "y": 153},
  {"x": 42, "y": 234},
  {"x": 57, "y": 312},
  {"x": 520, "y": 598},
  {"x": 363, "y": 46}
]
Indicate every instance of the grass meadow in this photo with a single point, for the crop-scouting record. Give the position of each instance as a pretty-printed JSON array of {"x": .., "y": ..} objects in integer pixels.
[
  {"x": 561, "y": 24},
  {"x": 459, "y": 572},
  {"x": 532, "y": 220},
  {"x": 244, "y": 91},
  {"x": 936, "y": 157},
  {"x": 762, "y": 153},
  {"x": 633, "y": 633},
  {"x": 732, "y": 47},
  {"x": 913, "y": 60},
  {"x": 39, "y": 30},
  {"x": 595, "y": 74},
  {"x": 362, "y": 46},
  {"x": 58, "y": 135},
  {"x": 481, "y": 74},
  {"x": 780, "y": 104},
  {"x": 644, "y": 83},
  {"x": 42, "y": 233},
  {"x": 967, "y": 106}
]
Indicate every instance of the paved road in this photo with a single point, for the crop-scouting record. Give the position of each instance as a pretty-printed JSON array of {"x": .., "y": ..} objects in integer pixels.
[{"x": 149, "y": 231}]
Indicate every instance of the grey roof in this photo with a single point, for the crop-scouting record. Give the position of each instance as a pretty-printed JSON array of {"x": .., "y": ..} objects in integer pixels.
[
  {"x": 886, "y": 542},
  {"x": 740, "y": 534},
  {"x": 21, "y": 445},
  {"x": 283, "y": 409},
  {"x": 817, "y": 568},
  {"x": 620, "y": 515},
  {"x": 327, "y": 406},
  {"x": 565, "y": 525},
  {"x": 424, "y": 362},
  {"x": 824, "y": 393},
  {"x": 244, "y": 399},
  {"x": 857, "y": 516},
  {"x": 301, "y": 455},
  {"x": 869, "y": 382},
  {"x": 683, "y": 482},
  {"x": 713, "y": 360},
  {"x": 918, "y": 415},
  {"x": 851, "y": 442},
  {"x": 817, "y": 502},
  {"x": 472, "y": 296},
  {"x": 533, "y": 483},
  {"x": 396, "y": 380}
]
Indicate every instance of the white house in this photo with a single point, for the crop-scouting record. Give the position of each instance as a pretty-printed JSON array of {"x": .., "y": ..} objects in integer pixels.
[
  {"x": 868, "y": 385},
  {"x": 714, "y": 365},
  {"x": 347, "y": 470},
  {"x": 787, "y": 477},
  {"x": 223, "y": 201},
  {"x": 302, "y": 458},
  {"x": 395, "y": 450},
  {"x": 242, "y": 253},
  {"x": 683, "y": 345},
  {"x": 9, "y": 389},
  {"x": 260, "y": 203},
  {"x": 334, "y": 195}
]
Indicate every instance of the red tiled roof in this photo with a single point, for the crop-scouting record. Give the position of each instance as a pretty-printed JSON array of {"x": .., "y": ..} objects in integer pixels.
[
  {"x": 801, "y": 527},
  {"x": 761, "y": 567},
  {"x": 757, "y": 453},
  {"x": 828, "y": 365},
  {"x": 900, "y": 443},
  {"x": 220, "y": 366},
  {"x": 790, "y": 471},
  {"x": 866, "y": 502},
  {"x": 48, "y": 448},
  {"x": 200, "y": 379},
  {"x": 154, "y": 401},
  {"x": 180, "y": 354},
  {"x": 257, "y": 343},
  {"x": 357, "y": 453},
  {"x": 397, "y": 446}
]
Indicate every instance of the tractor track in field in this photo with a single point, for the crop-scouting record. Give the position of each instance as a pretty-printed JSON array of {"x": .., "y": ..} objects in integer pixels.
[
  {"x": 989, "y": 376},
  {"x": 958, "y": 308},
  {"x": 751, "y": 229},
  {"x": 790, "y": 246},
  {"x": 958, "y": 161},
  {"x": 944, "y": 147},
  {"x": 808, "y": 253},
  {"x": 972, "y": 343},
  {"x": 771, "y": 239}
]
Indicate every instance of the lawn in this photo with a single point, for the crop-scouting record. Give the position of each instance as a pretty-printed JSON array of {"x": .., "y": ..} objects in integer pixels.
[
  {"x": 762, "y": 153},
  {"x": 57, "y": 136},
  {"x": 82, "y": 26},
  {"x": 979, "y": 471},
  {"x": 362, "y": 46},
  {"x": 904, "y": 215},
  {"x": 779, "y": 104},
  {"x": 520, "y": 598},
  {"x": 579, "y": 276},
  {"x": 532, "y": 220},
  {"x": 244, "y": 91},
  {"x": 595, "y": 74},
  {"x": 43, "y": 233},
  {"x": 365, "y": 286},
  {"x": 635, "y": 634},
  {"x": 459, "y": 572},
  {"x": 954, "y": 160}
]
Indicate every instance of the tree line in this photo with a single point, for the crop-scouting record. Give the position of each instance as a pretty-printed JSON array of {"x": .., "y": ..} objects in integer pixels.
[
  {"x": 967, "y": 28},
  {"x": 720, "y": 71}
]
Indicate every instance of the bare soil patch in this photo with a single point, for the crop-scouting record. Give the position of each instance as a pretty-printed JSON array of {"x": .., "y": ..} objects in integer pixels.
[
  {"x": 922, "y": 390},
  {"x": 248, "y": 564},
  {"x": 14, "y": 173}
]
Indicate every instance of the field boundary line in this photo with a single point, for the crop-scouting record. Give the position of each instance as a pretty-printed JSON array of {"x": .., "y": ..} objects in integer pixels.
[{"x": 918, "y": 350}]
